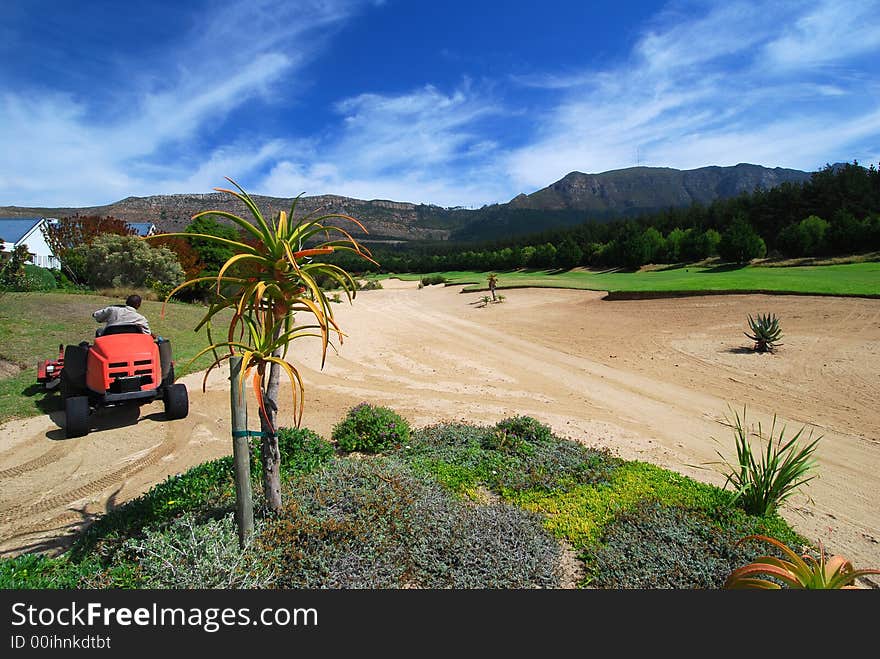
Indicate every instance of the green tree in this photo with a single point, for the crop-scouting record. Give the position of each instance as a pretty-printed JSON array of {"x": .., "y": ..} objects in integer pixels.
[
  {"x": 740, "y": 243},
  {"x": 806, "y": 238},
  {"x": 847, "y": 235},
  {"x": 127, "y": 262},
  {"x": 569, "y": 254},
  {"x": 632, "y": 251},
  {"x": 655, "y": 245},
  {"x": 213, "y": 254},
  {"x": 673, "y": 245},
  {"x": 266, "y": 282},
  {"x": 545, "y": 256},
  {"x": 696, "y": 245}
]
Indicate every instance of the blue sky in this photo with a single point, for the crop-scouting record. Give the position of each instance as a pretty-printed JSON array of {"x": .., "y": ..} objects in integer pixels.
[{"x": 451, "y": 103}]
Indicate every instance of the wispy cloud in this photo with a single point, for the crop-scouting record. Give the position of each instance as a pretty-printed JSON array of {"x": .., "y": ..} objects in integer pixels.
[
  {"x": 425, "y": 146},
  {"x": 61, "y": 150},
  {"x": 832, "y": 31},
  {"x": 775, "y": 83},
  {"x": 709, "y": 84}
]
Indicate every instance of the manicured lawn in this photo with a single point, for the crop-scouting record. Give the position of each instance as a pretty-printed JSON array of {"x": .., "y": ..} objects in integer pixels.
[
  {"x": 861, "y": 279},
  {"x": 33, "y": 325}
]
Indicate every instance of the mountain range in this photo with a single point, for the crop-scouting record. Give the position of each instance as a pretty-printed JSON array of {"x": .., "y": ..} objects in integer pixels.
[{"x": 575, "y": 198}]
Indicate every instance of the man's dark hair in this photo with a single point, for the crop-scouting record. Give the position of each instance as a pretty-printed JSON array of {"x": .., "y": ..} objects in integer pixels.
[{"x": 133, "y": 301}]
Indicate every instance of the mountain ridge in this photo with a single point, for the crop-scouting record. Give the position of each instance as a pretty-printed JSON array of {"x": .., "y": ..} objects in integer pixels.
[{"x": 576, "y": 197}]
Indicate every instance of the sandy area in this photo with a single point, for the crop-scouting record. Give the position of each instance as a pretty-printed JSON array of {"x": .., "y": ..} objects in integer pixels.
[{"x": 649, "y": 379}]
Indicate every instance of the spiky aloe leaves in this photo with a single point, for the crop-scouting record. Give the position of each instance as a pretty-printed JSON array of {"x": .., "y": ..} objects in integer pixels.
[{"x": 765, "y": 332}]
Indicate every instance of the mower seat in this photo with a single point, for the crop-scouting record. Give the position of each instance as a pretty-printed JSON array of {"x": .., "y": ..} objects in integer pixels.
[{"x": 120, "y": 329}]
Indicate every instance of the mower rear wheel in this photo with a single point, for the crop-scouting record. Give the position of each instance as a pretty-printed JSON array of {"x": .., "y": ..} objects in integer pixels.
[
  {"x": 76, "y": 408},
  {"x": 176, "y": 401},
  {"x": 73, "y": 375},
  {"x": 168, "y": 380}
]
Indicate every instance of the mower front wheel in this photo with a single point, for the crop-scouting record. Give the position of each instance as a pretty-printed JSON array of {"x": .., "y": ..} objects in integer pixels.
[
  {"x": 76, "y": 409},
  {"x": 176, "y": 401}
]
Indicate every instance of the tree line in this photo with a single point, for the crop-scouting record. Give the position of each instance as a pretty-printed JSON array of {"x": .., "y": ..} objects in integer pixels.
[{"x": 836, "y": 212}]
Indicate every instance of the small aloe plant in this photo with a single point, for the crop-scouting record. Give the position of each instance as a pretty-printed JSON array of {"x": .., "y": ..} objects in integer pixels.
[
  {"x": 765, "y": 332},
  {"x": 801, "y": 572}
]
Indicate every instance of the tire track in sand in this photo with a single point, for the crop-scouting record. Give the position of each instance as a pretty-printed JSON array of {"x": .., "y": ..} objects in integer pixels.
[
  {"x": 93, "y": 487},
  {"x": 50, "y": 456}
]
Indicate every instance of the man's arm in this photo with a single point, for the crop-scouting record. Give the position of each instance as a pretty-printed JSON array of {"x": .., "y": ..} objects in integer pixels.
[{"x": 102, "y": 315}]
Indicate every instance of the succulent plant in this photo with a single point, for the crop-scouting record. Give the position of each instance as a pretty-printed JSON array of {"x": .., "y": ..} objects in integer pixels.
[
  {"x": 765, "y": 332},
  {"x": 802, "y": 572}
]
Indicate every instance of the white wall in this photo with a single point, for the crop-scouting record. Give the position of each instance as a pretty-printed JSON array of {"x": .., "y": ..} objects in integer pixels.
[{"x": 38, "y": 247}]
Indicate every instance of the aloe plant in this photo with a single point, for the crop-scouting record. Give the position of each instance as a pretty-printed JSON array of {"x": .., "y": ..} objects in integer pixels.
[
  {"x": 765, "y": 332},
  {"x": 272, "y": 275},
  {"x": 801, "y": 572}
]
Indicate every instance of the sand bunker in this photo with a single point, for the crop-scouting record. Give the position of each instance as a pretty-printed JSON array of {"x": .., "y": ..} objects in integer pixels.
[{"x": 650, "y": 379}]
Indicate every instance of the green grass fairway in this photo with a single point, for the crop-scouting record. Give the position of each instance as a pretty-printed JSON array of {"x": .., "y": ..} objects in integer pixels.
[
  {"x": 32, "y": 325},
  {"x": 861, "y": 279}
]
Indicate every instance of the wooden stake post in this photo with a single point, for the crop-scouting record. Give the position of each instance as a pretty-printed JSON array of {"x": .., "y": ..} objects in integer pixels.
[{"x": 244, "y": 502}]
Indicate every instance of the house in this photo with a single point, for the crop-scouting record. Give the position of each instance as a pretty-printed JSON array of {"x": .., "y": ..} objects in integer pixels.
[
  {"x": 15, "y": 231},
  {"x": 143, "y": 229}
]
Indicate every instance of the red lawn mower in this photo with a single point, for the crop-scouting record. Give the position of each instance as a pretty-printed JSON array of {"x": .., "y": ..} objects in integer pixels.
[{"x": 124, "y": 366}]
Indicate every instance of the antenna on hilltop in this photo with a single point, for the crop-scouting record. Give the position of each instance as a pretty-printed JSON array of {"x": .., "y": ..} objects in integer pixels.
[{"x": 638, "y": 158}]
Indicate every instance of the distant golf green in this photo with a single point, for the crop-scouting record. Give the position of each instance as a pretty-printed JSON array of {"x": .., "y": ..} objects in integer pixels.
[{"x": 859, "y": 279}]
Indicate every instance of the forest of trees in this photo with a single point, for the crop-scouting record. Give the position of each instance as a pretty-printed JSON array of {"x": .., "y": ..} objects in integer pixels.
[{"x": 836, "y": 212}]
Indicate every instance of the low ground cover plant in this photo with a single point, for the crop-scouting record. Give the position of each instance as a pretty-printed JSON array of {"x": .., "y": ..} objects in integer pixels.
[
  {"x": 374, "y": 523},
  {"x": 452, "y": 505},
  {"x": 654, "y": 545}
]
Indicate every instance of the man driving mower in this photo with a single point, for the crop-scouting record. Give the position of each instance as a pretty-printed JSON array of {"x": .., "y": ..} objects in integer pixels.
[{"x": 122, "y": 314}]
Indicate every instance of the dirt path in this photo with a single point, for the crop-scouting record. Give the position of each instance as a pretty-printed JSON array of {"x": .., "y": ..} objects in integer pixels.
[{"x": 650, "y": 379}]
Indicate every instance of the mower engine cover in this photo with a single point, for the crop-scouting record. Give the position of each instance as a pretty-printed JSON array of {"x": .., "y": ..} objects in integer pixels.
[{"x": 123, "y": 363}]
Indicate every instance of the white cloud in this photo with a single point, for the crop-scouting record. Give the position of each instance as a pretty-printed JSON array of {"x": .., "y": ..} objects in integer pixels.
[
  {"x": 706, "y": 83},
  {"x": 832, "y": 31},
  {"x": 62, "y": 151},
  {"x": 718, "y": 84},
  {"x": 425, "y": 146},
  {"x": 419, "y": 129}
]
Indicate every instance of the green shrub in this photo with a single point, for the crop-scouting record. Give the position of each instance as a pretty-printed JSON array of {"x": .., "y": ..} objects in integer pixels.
[
  {"x": 370, "y": 285},
  {"x": 39, "y": 279},
  {"x": 371, "y": 429},
  {"x": 657, "y": 546},
  {"x": 582, "y": 512},
  {"x": 26, "y": 277},
  {"x": 374, "y": 524},
  {"x": 430, "y": 280},
  {"x": 524, "y": 428},
  {"x": 126, "y": 262},
  {"x": 192, "y": 553},
  {"x": 302, "y": 450},
  {"x": 210, "y": 485}
]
